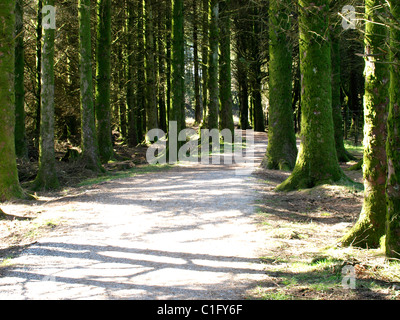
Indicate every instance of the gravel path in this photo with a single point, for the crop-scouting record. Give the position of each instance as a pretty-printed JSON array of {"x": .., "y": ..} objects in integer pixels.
[{"x": 185, "y": 233}]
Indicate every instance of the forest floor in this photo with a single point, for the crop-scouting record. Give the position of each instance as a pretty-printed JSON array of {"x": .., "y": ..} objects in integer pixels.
[{"x": 185, "y": 232}]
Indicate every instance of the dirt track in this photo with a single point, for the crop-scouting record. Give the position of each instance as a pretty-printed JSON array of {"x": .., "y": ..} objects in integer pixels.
[{"x": 186, "y": 233}]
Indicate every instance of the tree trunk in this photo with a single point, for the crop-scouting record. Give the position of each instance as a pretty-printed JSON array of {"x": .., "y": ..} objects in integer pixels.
[
  {"x": 178, "y": 66},
  {"x": 204, "y": 56},
  {"x": 9, "y": 184},
  {"x": 213, "y": 103},
  {"x": 47, "y": 176},
  {"x": 133, "y": 114},
  {"x": 393, "y": 142},
  {"x": 370, "y": 227},
  {"x": 162, "y": 72},
  {"x": 90, "y": 153},
  {"x": 225, "y": 77},
  {"x": 151, "y": 92},
  {"x": 282, "y": 149},
  {"x": 241, "y": 23},
  {"x": 197, "y": 106},
  {"x": 141, "y": 75},
  {"x": 38, "y": 88},
  {"x": 257, "y": 109},
  {"x": 168, "y": 40},
  {"x": 21, "y": 147},
  {"x": 103, "y": 76},
  {"x": 317, "y": 161}
]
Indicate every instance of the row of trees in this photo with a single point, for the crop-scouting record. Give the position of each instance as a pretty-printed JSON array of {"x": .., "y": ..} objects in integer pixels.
[
  {"x": 317, "y": 160},
  {"x": 83, "y": 68}
]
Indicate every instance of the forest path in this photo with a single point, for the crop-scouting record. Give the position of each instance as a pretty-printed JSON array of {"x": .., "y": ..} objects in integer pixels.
[{"x": 186, "y": 233}]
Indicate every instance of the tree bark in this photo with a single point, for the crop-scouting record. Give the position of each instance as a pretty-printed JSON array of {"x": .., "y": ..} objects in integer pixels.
[
  {"x": 90, "y": 153},
  {"x": 393, "y": 142},
  {"x": 162, "y": 107},
  {"x": 317, "y": 161},
  {"x": 257, "y": 109},
  {"x": 197, "y": 105},
  {"x": 21, "y": 147},
  {"x": 47, "y": 176},
  {"x": 342, "y": 153},
  {"x": 103, "y": 76},
  {"x": 225, "y": 70},
  {"x": 9, "y": 184},
  {"x": 370, "y": 227},
  {"x": 178, "y": 66},
  {"x": 241, "y": 23},
  {"x": 132, "y": 109},
  {"x": 168, "y": 40},
  {"x": 213, "y": 92},
  {"x": 204, "y": 57},
  {"x": 151, "y": 92},
  {"x": 141, "y": 75},
  {"x": 282, "y": 149},
  {"x": 38, "y": 88}
]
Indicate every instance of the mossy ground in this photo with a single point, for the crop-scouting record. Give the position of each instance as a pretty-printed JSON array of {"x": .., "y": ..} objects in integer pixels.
[{"x": 302, "y": 258}]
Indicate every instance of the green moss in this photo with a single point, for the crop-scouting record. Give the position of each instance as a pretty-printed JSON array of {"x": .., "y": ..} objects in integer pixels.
[
  {"x": 370, "y": 227},
  {"x": 393, "y": 142},
  {"x": 317, "y": 161}
]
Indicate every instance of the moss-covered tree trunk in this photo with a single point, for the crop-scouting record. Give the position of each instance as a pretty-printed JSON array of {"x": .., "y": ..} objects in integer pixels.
[
  {"x": 9, "y": 184},
  {"x": 213, "y": 92},
  {"x": 317, "y": 161},
  {"x": 393, "y": 142},
  {"x": 282, "y": 150},
  {"x": 178, "y": 66},
  {"x": 21, "y": 146},
  {"x": 370, "y": 227},
  {"x": 225, "y": 69},
  {"x": 103, "y": 77},
  {"x": 204, "y": 56},
  {"x": 47, "y": 176},
  {"x": 89, "y": 144},
  {"x": 151, "y": 92}
]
